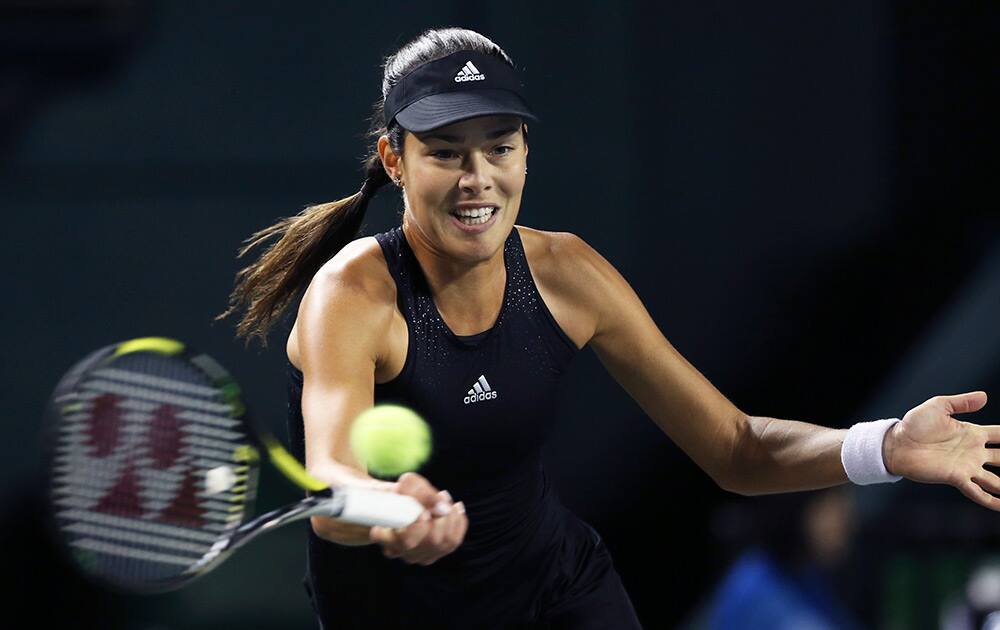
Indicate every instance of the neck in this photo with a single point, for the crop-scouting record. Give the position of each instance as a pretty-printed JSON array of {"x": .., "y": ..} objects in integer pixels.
[{"x": 468, "y": 295}]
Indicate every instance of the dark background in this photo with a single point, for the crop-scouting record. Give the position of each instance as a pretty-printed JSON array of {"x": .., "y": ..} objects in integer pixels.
[{"x": 801, "y": 193}]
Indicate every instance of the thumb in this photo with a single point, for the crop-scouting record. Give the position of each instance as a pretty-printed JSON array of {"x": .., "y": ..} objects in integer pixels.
[
  {"x": 418, "y": 487},
  {"x": 965, "y": 403}
]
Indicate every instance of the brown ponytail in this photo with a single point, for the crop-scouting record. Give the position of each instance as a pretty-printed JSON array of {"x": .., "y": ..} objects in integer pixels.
[{"x": 305, "y": 242}]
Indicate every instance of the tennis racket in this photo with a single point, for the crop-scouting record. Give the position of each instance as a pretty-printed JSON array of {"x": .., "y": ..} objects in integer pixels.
[{"x": 153, "y": 466}]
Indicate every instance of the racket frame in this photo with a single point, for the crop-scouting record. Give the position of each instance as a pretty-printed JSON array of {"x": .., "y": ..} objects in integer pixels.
[{"x": 357, "y": 505}]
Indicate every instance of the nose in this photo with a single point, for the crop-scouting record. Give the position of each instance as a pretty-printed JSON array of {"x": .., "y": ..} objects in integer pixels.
[{"x": 475, "y": 174}]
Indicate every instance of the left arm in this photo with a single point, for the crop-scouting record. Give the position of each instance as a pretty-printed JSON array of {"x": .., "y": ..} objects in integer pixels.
[
  {"x": 743, "y": 454},
  {"x": 755, "y": 455},
  {"x": 678, "y": 398},
  {"x": 787, "y": 456},
  {"x": 928, "y": 446}
]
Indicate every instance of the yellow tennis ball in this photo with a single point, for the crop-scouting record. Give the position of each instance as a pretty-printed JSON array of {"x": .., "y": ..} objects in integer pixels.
[{"x": 390, "y": 440}]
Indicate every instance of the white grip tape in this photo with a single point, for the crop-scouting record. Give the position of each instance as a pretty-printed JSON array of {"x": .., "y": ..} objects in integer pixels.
[
  {"x": 861, "y": 453},
  {"x": 377, "y": 507}
]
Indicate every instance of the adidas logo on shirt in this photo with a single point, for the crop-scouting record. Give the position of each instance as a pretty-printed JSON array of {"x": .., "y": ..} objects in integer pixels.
[
  {"x": 469, "y": 72},
  {"x": 480, "y": 391}
]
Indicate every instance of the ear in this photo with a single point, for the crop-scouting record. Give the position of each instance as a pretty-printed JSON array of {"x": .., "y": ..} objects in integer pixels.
[
  {"x": 524, "y": 134},
  {"x": 390, "y": 161}
]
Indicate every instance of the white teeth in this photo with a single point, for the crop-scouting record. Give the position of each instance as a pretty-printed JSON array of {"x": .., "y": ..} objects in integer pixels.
[
  {"x": 475, "y": 216},
  {"x": 475, "y": 212}
]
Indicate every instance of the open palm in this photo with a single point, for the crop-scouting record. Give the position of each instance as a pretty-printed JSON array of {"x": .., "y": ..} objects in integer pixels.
[{"x": 931, "y": 446}]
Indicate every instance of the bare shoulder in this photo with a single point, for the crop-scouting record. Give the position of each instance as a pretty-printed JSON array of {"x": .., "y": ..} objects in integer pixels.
[
  {"x": 564, "y": 260},
  {"x": 352, "y": 291},
  {"x": 573, "y": 278},
  {"x": 359, "y": 266},
  {"x": 544, "y": 246}
]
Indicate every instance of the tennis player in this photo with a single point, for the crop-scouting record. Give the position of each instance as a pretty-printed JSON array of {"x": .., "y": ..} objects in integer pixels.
[{"x": 472, "y": 320}]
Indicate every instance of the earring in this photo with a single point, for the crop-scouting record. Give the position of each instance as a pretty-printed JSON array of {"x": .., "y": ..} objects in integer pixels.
[{"x": 525, "y": 170}]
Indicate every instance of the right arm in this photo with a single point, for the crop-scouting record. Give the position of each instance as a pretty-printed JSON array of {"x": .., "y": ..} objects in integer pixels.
[
  {"x": 342, "y": 331},
  {"x": 342, "y": 319}
]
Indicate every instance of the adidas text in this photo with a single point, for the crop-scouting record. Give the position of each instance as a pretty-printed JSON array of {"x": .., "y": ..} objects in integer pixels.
[
  {"x": 480, "y": 397},
  {"x": 469, "y": 72}
]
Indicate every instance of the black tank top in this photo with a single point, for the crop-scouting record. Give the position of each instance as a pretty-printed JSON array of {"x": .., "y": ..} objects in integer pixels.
[{"x": 490, "y": 400}]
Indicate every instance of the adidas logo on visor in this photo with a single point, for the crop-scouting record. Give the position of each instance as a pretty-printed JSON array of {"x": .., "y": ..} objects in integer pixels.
[
  {"x": 480, "y": 391},
  {"x": 469, "y": 72}
]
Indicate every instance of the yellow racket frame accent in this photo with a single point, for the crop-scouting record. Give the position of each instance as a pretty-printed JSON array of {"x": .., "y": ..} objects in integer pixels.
[
  {"x": 163, "y": 345},
  {"x": 287, "y": 464},
  {"x": 245, "y": 453}
]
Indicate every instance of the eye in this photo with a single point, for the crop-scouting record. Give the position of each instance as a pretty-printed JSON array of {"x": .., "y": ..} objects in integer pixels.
[
  {"x": 442, "y": 154},
  {"x": 508, "y": 149}
]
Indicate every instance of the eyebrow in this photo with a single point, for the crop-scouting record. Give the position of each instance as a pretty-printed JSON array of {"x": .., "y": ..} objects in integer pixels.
[{"x": 499, "y": 133}]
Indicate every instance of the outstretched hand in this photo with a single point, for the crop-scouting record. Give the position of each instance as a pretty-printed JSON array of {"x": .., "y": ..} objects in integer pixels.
[{"x": 931, "y": 446}]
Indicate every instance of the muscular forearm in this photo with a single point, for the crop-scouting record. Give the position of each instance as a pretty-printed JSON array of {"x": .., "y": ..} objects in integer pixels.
[{"x": 775, "y": 456}]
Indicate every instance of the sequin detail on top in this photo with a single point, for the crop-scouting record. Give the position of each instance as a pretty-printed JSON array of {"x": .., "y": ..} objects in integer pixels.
[
  {"x": 437, "y": 343},
  {"x": 522, "y": 356}
]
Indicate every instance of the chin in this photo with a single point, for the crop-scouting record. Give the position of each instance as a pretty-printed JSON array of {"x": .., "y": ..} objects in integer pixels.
[{"x": 483, "y": 249}]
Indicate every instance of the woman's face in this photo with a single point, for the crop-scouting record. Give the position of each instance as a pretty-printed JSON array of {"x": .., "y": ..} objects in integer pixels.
[{"x": 454, "y": 169}]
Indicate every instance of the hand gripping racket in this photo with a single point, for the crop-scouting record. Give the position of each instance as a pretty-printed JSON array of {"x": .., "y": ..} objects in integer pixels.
[{"x": 153, "y": 466}]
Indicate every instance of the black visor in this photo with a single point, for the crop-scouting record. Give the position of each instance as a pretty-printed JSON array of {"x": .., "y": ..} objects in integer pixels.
[{"x": 462, "y": 85}]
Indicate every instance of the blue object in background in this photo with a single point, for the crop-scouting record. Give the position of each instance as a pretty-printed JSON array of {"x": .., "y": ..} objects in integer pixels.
[{"x": 757, "y": 593}]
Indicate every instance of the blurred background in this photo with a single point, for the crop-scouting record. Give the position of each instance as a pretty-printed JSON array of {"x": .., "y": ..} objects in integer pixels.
[{"x": 800, "y": 193}]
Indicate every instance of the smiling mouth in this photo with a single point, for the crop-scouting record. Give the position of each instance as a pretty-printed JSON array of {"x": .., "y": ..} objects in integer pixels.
[{"x": 478, "y": 216}]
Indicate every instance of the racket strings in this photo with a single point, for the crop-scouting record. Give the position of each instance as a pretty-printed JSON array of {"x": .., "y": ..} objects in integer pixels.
[{"x": 137, "y": 442}]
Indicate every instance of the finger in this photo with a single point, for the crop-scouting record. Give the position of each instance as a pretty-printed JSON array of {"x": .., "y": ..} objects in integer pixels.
[
  {"x": 988, "y": 481},
  {"x": 455, "y": 523},
  {"x": 980, "y": 496},
  {"x": 459, "y": 525},
  {"x": 387, "y": 539},
  {"x": 400, "y": 541},
  {"x": 425, "y": 552},
  {"x": 444, "y": 504},
  {"x": 438, "y": 540},
  {"x": 424, "y": 556},
  {"x": 437, "y": 537},
  {"x": 434, "y": 554},
  {"x": 964, "y": 403},
  {"x": 406, "y": 556},
  {"x": 402, "y": 538},
  {"x": 411, "y": 537},
  {"x": 444, "y": 537},
  {"x": 419, "y": 488},
  {"x": 993, "y": 456},
  {"x": 382, "y": 535}
]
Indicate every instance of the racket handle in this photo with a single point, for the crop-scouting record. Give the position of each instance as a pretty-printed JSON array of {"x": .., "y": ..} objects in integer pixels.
[{"x": 377, "y": 507}]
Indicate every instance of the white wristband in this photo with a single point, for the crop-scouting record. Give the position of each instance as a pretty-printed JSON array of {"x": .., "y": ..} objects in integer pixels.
[{"x": 861, "y": 453}]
